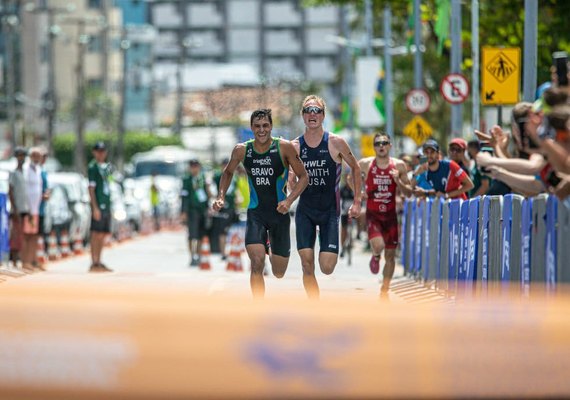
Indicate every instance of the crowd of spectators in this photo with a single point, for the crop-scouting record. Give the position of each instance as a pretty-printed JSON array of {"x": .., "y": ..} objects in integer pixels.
[{"x": 533, "y": 158}]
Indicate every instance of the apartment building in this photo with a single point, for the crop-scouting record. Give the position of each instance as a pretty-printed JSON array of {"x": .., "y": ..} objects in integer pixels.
[{"x": 278, "y": 39}]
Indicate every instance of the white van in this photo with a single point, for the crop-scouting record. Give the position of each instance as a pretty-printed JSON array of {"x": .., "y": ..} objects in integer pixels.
[{"x": 162, "y": 160}]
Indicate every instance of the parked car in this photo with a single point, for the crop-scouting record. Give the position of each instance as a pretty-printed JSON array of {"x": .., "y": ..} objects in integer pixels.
[
  {"x": 58, "y": 214},
  {"x": 76, "y": 188},
  {"x": 136, "y": 206},
  {"x": 119, "y": 219}
]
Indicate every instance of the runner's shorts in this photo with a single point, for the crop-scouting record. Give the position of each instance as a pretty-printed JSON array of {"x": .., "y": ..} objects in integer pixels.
[
  {"x": 260, "y": 224},
  {"x": 384, "y": 226},
  {"x": 306, "y": 222}
]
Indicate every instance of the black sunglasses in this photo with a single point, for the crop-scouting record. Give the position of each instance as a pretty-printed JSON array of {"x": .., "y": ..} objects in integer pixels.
[
  {"x": 312, "y": 110},
  {"x": 383, "y": 143}
]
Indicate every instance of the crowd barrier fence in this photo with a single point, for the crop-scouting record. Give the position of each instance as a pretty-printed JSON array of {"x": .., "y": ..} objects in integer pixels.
[{"x": 501, "y": 244}]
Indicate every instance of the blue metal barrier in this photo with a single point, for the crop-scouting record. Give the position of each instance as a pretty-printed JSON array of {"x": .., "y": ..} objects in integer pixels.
[
  {"x": 4, "y": 227},
  {"x": 472, "y": 242},
  {"x": 506, "y": 239},
  {"x": 405, "y": 237},
  {"x": 526, "y": 237},
  {"x": 454, "y": 207},
  {"x": 412, "y": 238},
  {"x": 435, "y": 239},
  {"x": 551, "y": 242},
  {"x": 426, "y": 239},
  {"x": 419, "y": 236},
  {"x": 463, "y": 241}
]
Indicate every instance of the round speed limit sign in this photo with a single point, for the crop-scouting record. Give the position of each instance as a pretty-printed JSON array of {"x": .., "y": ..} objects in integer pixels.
[{"x": 417, "y": 101}]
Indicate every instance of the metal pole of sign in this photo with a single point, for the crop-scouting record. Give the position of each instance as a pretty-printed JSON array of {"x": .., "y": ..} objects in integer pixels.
[
  {"x": 388, "y": 95},
  {"x": 417, "y": 41},
  {"x": 456, "y": 109},
  {"x": 530, "y": 49},
  {"x": 475, "y": 117},
  {"x": 369, "y": 27}
]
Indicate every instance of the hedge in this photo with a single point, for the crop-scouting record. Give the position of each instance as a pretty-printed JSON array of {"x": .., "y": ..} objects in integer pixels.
[{"x": 64, "y": 145}]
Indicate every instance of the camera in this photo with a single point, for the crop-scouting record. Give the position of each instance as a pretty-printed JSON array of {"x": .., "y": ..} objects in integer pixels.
[{"x": 560, "y": 62}]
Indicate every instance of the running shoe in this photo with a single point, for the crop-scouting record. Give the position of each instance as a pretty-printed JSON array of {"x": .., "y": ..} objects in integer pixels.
[{"x": 375, "y": 264}]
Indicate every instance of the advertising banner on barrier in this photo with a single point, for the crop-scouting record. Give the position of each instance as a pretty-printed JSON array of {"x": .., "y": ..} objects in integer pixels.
[
  {"x": 463, "y": 241},
  {"x": 405, "y": 236},
  {"x": 485, "y": 245},
  {"x": 551, "y": 243},
  {"x": 419, "y": 235},
  {"x": 526, "y": 228},
  {"x": 4, "y": 226},
  {"x": 454, "y": 206},
  {"x": 472, "y": 240},
  {"x": 427, "y": 223},
  {"x": 506, "y": 240},
  {"x": 412, "y": 242}
]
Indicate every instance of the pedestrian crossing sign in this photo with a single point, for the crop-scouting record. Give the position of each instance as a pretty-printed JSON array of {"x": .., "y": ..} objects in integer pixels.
[
  {"x": 418, "y": 129},
  {"x": 501, "y": 75}
]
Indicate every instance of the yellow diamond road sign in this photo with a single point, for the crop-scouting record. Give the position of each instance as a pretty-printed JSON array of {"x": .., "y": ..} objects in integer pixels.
[
  {"x": 418, "y": 129},
  {"x": 501, "y": 72}
]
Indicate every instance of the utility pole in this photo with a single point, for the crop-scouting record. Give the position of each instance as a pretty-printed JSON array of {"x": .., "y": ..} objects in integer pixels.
[
  {"x": 105, "y": 47},
  {"x": 456, "y": 109},
  {"x": 79, "y": 156},
  {"x": 125, "y": 45},
  {"x": 9, "y": 23},
  {"x": 530, "y": 49},
  {"x": 369, "y": 26},
  {"x": 476, "y": 117},
  {"x": 388, "y": 79},
  {"x": 182, "y": 55}
]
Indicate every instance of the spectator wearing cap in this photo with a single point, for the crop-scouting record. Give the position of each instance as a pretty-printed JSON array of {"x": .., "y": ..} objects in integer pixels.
[
  {"x": 457, "y": 148},
  {"x": 99, "y": 175},
  {"x": 223, "y": 219},
  {"x": 19, "y": 208},
  {"x": 446, "y": 177},
  {"x": 195, "y": 195}
]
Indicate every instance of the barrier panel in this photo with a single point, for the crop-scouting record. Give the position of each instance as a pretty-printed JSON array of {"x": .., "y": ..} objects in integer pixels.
[
  {"x": 426, "y": 238},
  {"x": 463, "y": 241},
  {"x": 538, "y": 241},
  {"x": 404, "y": 237},
  {"x": 563, "y": 239},
  {"x": 526, "y": 238},
  {"x": 442, "y": 279},
  {"x": 551, "y": 254},
  {"x": 435, "y": 239},
  {"x": 511, "y": 241},
  {"x": 412, "y": 238},
  {"x": 453, "y": 254},
  {"x": 419, "y": 236},
  {"x": 472, "y": 245},
  {"x": 4, "y": 227}
]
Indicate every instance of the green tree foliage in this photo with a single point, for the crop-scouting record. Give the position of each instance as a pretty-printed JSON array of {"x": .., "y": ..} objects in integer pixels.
[
  {"x": 501, "y": 23},
  {"x": 64, "y": 145}
]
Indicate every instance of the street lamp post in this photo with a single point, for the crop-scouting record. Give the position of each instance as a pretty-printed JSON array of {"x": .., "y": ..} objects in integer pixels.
[
  {"x": 79, "y": 156},
  {"x": 125, "y": 45}
]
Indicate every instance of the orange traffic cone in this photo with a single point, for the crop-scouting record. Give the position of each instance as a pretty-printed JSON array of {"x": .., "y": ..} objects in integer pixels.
[
  {"x": 53, "y": 252},
  {"x": 205, "y": 254},
  {"x": 64, "y": 245},
  {"x": 233, "y": 254},
  {"x": 41, "y": 252}
]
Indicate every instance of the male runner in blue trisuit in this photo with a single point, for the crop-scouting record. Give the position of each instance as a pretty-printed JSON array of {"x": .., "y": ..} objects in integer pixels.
[{"x": 322, "y": 153}]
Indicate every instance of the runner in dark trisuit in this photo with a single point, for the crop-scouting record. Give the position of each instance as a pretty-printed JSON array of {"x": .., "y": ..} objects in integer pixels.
[
  {"x": 266, "y": 161},
  {"x": 322, "y": 154}
]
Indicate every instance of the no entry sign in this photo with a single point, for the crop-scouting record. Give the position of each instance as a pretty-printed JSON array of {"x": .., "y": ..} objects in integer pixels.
[{"x": 454, "y": 88}]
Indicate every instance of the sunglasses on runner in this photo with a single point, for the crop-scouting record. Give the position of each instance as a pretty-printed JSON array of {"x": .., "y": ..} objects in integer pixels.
[
  {"x": 382, "y": 143},
  {"x": 312, "y": 110}
]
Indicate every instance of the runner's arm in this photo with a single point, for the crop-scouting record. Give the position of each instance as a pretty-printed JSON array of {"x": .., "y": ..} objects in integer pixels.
[
  {"x": 346, "y": 154},
  {"x": 294, "y": 163},
  {"x": 401, "y": 179},
  {"x": 292, "y": 179},
  {"x": 238, "y": 154}
]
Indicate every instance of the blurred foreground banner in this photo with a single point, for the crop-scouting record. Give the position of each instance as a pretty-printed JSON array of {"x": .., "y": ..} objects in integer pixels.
[{"x": 83, "y": 341}]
